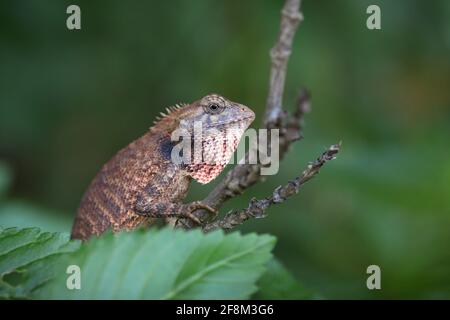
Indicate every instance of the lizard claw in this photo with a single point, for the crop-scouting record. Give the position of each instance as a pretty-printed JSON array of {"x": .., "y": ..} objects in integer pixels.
[
  {"x": 192, "y": 217},
  {"x": 200, "y": 205},
  {"x": 195, "y": 206}
]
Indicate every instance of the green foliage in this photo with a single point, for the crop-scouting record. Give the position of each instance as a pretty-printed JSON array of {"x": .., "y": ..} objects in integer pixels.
[
  {"x": 28, "y": 259},
  {"x": 165, "y": 264},
  {"x": 154, "y": 264},
  {"x": 277, "y": 283}
]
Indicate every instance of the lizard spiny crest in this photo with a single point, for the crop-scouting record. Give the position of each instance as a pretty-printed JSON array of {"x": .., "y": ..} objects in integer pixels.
[{"x": 169, "y": 110}]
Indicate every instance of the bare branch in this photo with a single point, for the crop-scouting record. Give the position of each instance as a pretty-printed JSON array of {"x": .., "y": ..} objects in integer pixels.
[
  {"x": 292, "y": 125},
  {"x": 290, "y": 19},
  {"x": 243, "y": 176},
  {"x": 257, "y": 208},
  {"x": 290, "y": 128}
]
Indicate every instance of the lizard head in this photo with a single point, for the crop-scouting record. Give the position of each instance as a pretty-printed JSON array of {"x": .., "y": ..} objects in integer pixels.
[
  {"x": 215, "y": 111},
  {"x": 215, "y": 126}
]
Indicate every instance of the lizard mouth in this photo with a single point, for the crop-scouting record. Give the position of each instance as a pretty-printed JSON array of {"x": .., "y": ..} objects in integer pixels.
[{"x": 247, "y": 120}]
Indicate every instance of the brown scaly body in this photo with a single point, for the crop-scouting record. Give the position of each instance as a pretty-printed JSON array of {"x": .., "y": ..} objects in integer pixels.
[{"x": 142, "y": 182}]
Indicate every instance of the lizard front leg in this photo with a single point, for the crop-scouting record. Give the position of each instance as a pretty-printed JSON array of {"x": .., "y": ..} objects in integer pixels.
[{"x": 147, "y": 206}]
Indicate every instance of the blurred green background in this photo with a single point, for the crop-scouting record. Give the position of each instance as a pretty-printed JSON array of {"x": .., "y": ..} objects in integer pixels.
[{"x": 70, "y": 99}]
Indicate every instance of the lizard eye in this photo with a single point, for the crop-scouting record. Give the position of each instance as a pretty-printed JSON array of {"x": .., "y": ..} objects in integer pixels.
[{"x": 214, "y": 108}]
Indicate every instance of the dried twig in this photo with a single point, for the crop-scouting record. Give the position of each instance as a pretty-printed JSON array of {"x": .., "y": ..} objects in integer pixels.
[
  {"x": 257, "y": 208},
  {"x": 290, "y": 19},
  {"x": 290, "y": 129},
  {"x": 243, "y": 176}
]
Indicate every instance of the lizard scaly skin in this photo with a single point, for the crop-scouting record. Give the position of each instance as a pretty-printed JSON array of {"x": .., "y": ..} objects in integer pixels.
[{"x": 142, "y": 182}]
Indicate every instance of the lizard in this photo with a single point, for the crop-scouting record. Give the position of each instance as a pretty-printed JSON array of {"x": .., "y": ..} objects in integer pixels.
[{"x": 142, "y": 182}]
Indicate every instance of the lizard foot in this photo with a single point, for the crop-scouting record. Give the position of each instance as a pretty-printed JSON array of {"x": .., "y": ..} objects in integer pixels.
[{"x": 193, "y": 206}]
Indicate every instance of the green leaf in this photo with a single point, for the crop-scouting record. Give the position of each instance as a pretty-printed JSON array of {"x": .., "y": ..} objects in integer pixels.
[
  {"x": 277, "y": 283},
  {"x": 28, "y": 258},
  {"x": 165, "y": 264}
]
